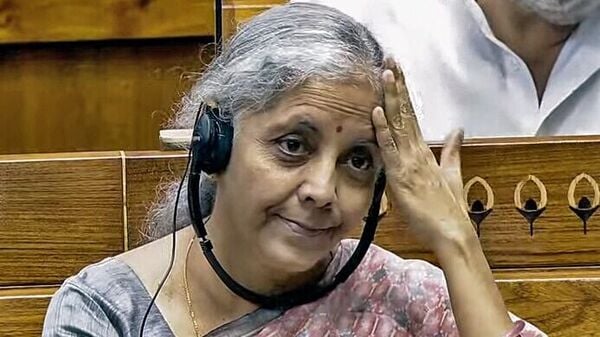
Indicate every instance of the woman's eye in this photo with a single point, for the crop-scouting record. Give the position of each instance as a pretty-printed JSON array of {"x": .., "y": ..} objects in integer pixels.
[
  {"x": 293, "y": 146},
  {"x": 361, "y": 162}
]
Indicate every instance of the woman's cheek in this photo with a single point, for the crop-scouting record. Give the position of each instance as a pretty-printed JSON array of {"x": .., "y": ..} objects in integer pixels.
[{"x": 355, "y": 205}]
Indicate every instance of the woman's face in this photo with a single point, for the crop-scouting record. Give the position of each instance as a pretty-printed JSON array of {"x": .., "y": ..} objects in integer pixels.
[{"x": 301, "y": 175}]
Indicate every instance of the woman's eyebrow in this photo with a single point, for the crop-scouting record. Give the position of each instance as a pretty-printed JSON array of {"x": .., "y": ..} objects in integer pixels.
[
  {"x": 367, "y": 142},
  {"x": 297, "y": 122},
  {"x": 307, "y": 125}
]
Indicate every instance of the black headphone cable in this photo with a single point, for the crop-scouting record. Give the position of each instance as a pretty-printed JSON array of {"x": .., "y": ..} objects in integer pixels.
[{"x": 173, "y": 241}]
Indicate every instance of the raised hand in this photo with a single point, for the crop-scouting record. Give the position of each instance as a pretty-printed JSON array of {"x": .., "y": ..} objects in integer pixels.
[{"x": 428, "y": 195}]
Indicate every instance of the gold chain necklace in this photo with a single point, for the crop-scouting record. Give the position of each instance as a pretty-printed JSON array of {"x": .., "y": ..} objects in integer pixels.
[{"x": 187, "y": 289}]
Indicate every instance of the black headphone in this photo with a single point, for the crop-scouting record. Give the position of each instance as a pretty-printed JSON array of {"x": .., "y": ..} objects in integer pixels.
[
  {"x": 210, "y": 150},
  {"x": 212, "y": 140}
]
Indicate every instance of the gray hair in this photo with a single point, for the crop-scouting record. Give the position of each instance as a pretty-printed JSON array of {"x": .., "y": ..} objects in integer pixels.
[{"x": 276, "y": 52}]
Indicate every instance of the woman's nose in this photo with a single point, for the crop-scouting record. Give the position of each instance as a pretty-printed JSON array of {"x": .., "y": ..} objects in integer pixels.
[{"x": 319, "y": 186}]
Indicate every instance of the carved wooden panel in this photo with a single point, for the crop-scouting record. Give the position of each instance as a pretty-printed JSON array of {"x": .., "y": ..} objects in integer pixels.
[
  {"x": 558, "y": 233},
  {"x": 506, "y": 167}
]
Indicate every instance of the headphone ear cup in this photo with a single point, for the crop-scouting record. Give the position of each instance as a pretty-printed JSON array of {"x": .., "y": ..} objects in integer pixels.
[
  {"x": 211, "y": 143},
  {"x": 223, "y": 145}
]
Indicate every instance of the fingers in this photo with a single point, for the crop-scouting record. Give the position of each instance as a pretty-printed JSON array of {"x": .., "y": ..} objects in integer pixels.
[
  {"x": 387, "y": 144},
  {"x": 391, "y": 65},
  {"x": 450, "y": 163},
  {"x": 398, "y": 108},
  {"x": 392, "y": 101}
]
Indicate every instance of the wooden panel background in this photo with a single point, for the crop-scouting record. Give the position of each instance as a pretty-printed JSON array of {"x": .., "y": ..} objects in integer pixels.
[
  {"x": 560, "y": 307},
  {"x": 558, "y": 239},
  {"x": 22, "y": 311},
  {"x": 146, "y": 173},
  {"x": 237, "y": 12},
  {"x": 76, "y": 20},
  {"x": 58, "y": 215},
  {"x": 96, "y": 75},
  {"x": 92, "y": 96}
]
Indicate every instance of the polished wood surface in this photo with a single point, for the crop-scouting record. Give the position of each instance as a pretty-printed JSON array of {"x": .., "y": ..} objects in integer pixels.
[
  {"x": 22, "y": 310},
  {"x": 237, "y": 12},
  {"x": 561, "y": 301},
  {"x": 58, "y": 215},
  {"x": 146, "y": 172},
  {"x": 563, "y": 307},
  {"x": 76, "y": 20},
  {"x": 560, "y": 307},
  {"x": 22, "y": 317},
  {"x": 93, "y": 96}
]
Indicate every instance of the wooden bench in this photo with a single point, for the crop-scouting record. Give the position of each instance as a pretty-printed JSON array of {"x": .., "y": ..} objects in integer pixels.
[{"x": 61, "y": 212}]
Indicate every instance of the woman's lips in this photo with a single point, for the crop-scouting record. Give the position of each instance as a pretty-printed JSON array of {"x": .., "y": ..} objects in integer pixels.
[{"x": 302, "y": 229}]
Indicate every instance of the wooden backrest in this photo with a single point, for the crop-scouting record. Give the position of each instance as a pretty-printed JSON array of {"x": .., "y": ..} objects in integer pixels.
[{"x": 61, "y": 212}]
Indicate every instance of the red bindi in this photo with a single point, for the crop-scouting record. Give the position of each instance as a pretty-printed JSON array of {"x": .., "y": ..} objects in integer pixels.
[{"x": 339, "y": 129}]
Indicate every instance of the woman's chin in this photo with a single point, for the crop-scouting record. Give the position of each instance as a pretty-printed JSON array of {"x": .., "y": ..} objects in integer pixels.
[{"x": 292, "y": 259}]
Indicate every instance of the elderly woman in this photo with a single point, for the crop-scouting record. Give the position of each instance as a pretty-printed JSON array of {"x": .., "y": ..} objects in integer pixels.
[{"x": 317, "y": 112}]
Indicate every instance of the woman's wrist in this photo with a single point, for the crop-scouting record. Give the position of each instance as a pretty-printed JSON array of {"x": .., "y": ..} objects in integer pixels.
[
  {"x": 460, "y": 242},
  {"x": 475, "y": 297}
]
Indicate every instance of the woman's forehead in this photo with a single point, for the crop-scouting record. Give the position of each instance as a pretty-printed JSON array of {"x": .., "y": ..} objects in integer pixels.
[
  {"x": 344, "y": 111},
  {"x": 339, "y": 101}
]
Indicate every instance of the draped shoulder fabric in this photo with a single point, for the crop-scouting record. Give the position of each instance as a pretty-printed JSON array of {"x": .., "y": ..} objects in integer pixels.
[
  {"x": 105, "y": 299},
  {"x": 385, "y": 296}
]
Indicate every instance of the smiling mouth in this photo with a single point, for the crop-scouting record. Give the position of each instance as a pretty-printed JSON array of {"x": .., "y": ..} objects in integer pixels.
[{"x": 304, "y": 230}]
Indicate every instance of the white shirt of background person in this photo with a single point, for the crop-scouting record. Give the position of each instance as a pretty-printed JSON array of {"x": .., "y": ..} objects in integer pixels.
[{"x": 460, "y": 74}]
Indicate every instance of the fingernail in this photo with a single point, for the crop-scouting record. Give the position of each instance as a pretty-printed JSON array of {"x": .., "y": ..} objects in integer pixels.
[{"x": 388, "y": 75}]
